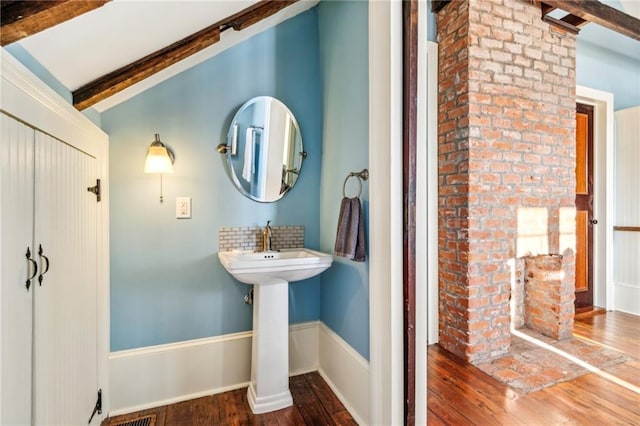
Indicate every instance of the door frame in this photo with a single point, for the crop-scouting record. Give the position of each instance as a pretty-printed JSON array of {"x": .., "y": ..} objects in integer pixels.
[
  {"x": 603, "y": 144},
  {"x": 584, "y": 204},
  {"x": 386, "y": 364}
]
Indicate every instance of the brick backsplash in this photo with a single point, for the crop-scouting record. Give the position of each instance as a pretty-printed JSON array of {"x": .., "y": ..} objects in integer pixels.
[{"x": 250, "y": 237}]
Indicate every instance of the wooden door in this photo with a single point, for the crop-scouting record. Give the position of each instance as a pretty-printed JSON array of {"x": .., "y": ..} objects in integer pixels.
[
  {"x": 65, "y": 309},
  {"x": 584, "y": 208},
  {"x": 16, "y": 235}
]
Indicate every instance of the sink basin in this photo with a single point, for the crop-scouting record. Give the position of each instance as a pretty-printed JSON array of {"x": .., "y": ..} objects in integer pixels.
[
  {"x": 289, "y": 265},
  {"x": 270, "y": 272}
]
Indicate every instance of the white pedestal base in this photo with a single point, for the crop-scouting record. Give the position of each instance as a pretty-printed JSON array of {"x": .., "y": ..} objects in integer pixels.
[
  {"x": 269, "y": 388},
  {"x": 269, "y": 403}
]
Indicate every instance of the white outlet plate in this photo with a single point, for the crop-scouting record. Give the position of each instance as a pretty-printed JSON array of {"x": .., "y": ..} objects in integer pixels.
[{"x": 183, "y": 207}]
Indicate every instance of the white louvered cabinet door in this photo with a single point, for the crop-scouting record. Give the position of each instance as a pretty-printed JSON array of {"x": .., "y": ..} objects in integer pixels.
[
  {"x": 16, "y": 235},
  {"x": 65, "y": 308}
]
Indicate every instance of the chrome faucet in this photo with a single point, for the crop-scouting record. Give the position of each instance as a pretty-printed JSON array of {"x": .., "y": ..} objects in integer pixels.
[{"x": 266, "y": 237}]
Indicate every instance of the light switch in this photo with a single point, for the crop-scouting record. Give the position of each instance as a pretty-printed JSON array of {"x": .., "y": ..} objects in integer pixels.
[{"x": 183, "y": 207}]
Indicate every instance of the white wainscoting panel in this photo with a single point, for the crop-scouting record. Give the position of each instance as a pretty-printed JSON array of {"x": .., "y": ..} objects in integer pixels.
[
  {"x": 164, "y": 374},
  {"x": 626, "y": 244},
  {"x": 303, "y": 347},
  {"x": 346, "y": 372}
]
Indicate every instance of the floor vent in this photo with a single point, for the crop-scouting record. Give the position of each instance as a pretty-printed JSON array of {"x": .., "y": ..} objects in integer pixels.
[{"x": 149, "y": 420}]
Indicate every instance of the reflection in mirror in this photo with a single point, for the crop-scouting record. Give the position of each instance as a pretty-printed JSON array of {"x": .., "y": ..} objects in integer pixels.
[{"x": 264, "y": 149}]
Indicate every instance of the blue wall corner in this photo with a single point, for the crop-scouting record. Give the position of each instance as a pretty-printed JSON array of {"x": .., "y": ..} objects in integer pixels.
[
  {"x": 609, "y": 71},
  {"x": 166, "y": 282},
  {"x": 344, "y": 76},
  {"x": 25, "y": 58}
]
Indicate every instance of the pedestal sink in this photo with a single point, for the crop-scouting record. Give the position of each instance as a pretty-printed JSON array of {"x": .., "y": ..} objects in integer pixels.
[{"x": 270, "y": 272}]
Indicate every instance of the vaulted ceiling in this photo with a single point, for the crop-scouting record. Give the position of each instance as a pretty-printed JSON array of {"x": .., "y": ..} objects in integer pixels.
[{"x": 106, "y": 51}]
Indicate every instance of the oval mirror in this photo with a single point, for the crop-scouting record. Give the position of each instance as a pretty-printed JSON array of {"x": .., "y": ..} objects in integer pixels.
[{"x": 264, "y": 149}]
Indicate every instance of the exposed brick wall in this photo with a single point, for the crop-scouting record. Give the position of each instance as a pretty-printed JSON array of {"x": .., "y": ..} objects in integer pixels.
[
  {"x": 506, "y": 143},
  {"x": 548, "y": 297}
]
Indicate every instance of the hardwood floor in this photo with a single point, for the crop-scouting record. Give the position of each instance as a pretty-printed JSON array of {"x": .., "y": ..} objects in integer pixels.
[
  {"x": 457, "y": 393},
  {"x": 313, "y": 404},
  {"x": 617, "y": 330},
  {"x": 460, "y": 394}
]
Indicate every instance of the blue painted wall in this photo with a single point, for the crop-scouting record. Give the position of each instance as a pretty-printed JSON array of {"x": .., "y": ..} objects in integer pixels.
[
  {"x": 166, "y": 282},
  {"x": 25, "y": 58},
  {"x": 22, "y": 55},
  {"x": 604, "y": 69},
  {"x": 344, "y": 76}
]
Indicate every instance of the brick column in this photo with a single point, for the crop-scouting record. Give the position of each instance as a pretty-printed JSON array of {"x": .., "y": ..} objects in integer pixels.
[{"x": 506, "y": 140}]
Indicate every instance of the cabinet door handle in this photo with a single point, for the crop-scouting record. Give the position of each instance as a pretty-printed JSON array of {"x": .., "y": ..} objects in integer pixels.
[
  {"x": 35, "y": 268},
  {"x": 46, "y": 264}
]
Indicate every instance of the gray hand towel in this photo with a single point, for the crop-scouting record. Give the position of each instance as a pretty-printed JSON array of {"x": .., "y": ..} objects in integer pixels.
[{"x": 350, "y": 235}]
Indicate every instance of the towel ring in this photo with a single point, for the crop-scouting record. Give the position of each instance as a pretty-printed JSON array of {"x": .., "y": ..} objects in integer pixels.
[{"x": 361, "y": 175}]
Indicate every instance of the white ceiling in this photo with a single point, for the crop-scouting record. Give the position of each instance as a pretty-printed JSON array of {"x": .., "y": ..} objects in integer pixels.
[
  {"x": 91, "y": 45},
  {"x": 123, "y": 31}
]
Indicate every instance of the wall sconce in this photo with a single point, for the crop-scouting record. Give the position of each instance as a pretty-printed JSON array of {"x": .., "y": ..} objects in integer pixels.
[{"x": 159, "y": 160}]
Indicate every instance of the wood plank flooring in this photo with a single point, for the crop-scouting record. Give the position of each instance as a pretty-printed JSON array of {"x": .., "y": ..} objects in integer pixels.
[
  {"x": 313, "y": 404},
  {"x": 460, "y": 394}
]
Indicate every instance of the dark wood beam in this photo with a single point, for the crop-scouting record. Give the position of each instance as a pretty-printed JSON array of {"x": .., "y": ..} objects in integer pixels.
[
  {"x": 438, "y": 5},
  {"x": 546, "y": 9},
  {"x": 409, "y": 178},
  {"x": 254, "y": 14},
  {"x": 561, "y": 24},
  {"x": 131, "y": 74},
  {"x": 601, "y": 14},
  {"x": 575, "y": 21},
  {"x": 20, "y": 19},
  {"x": 122, "y": 78}
]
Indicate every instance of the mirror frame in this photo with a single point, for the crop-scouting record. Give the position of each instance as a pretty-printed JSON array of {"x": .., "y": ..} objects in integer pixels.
[{"x": 231, "y": 148}]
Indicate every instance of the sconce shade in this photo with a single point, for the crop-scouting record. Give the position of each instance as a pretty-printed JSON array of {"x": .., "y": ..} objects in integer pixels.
[{"x": 158, "y": 158}]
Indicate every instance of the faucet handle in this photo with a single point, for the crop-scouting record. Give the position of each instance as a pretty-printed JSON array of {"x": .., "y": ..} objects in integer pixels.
[{"x": 268, "y": 222}]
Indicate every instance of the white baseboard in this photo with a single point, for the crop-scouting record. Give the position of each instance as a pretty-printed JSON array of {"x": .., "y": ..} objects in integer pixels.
[
  {"x": 626, "y": 297},
  {"x": 165, "y": 374},
  {"x": 346, "y": 372}
]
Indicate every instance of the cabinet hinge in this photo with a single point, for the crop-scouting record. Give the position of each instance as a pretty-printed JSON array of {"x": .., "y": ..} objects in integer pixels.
[
  {"x": 96, "y": 190},
  {"x": 98, "y": 407}
]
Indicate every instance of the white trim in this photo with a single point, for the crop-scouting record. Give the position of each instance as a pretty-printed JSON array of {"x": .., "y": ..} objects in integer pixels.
[
  {"x": 432, "y": 191},
  {"x": 629, "y": 285},
  {"x": 303, "y": 347},
  {"x": 422, "y": 181},
  {"x": 626, "y": 245},
  {"x": 29, "y": 99},
  {"x": 165, "y": 374},
  {"x": 44, "y": 109},
  {"x": 603, "y": 192},
  {"x": 426, "y": 219},
  {"x": 385, "y": 212},
  {"x": 346, "y": 372}
]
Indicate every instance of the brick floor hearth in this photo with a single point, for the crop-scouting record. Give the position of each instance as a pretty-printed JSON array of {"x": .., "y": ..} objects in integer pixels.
[{"x": 528, "y": 367}]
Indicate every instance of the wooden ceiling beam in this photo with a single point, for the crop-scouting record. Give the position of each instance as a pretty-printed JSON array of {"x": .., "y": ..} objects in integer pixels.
[
  {"x": 575, "y": 21},
  {"x": 122, "y": 78},
  {"x": 438, "y": 5},
  {"x": 561, "y": 23},
  {"x": 20, "y": 19},
  {"x": 601, "y": 14},
  {"x": 546, "y": 9}
]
